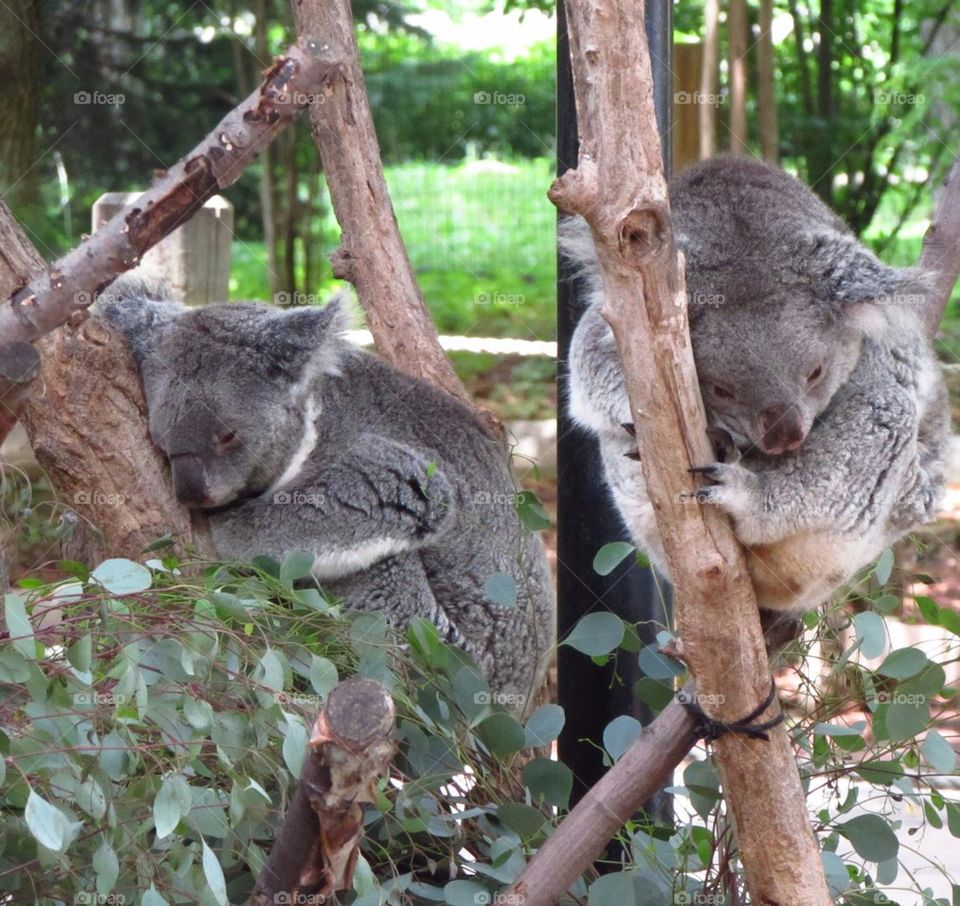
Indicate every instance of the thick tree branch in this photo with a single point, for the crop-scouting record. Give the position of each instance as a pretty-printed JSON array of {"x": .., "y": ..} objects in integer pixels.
[
  {"x": 315, "y": 851},
  {"x": 940, "y": 256},
  {"x": 371, "y": 254},
  {"x": 620, "y": 189}
]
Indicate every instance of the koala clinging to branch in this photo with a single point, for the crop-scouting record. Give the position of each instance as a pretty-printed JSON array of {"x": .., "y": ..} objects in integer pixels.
[
  {"x": 292, "y": 439},
  {"x": 814, "y": 370}
]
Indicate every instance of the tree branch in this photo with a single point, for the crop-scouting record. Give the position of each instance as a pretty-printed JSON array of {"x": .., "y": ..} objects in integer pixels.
[
  {"x": 573, "y": 847},
  {"x": 620, "y": 189},
  {"x": 371, "y": 254}
]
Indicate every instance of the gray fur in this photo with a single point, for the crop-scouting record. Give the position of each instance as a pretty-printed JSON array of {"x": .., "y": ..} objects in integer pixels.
[
  {"x": 404, "y": 499},
  {"x": 835, "y": 464}
]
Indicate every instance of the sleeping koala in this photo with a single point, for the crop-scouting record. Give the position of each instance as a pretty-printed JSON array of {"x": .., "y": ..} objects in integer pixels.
[
  {"x": 813, "y": 367},
  {"x": 291, "y": 439}
]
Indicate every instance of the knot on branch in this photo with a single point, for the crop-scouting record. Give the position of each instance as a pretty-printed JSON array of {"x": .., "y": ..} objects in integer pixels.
[
  {"x": 644, "y": 233},
  {"x": 575, "y": 192}
]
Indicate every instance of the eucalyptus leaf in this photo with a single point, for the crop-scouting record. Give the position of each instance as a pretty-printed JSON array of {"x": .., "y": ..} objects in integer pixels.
[
  {"x": 610, "y": 556},
  {"x": 903, "y": 662},
  {"x": 120, "y": 576},
  {"x": 19, "y": 626},
  {"x": 621, "y": 733},
  {"x": 596, "y": 634},
  {"x": 871, "y": 633},
  {"x": 938, "y": 753},
  {"x": 214, "y": 875},
  {"x": 501, "y": 589},
  {"x": 544, "y": 725},
  {"x": 296, "y": 565},
  {"x": 884, "y": 566},
  {"x": 872, "y": 837}
]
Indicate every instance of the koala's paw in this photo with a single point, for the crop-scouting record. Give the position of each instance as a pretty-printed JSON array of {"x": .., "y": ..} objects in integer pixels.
[{"x": 737, "y": 491}]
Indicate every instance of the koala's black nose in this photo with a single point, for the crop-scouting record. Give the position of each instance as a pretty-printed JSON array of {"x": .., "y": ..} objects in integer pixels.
[
  {"x": 188, "y": 479},
  {"x": 782, "y": 429}
]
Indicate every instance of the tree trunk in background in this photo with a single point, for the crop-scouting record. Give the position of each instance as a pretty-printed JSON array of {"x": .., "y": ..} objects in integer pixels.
[
  {"x": 766, "y": 95},
  {"x": 737, "y": 33},
  {"x": 268, "y": 179},
  {"x": 819, "y": 157},
  {"x": 707, "y": 108},
  {"x": 19, "y": 100}
]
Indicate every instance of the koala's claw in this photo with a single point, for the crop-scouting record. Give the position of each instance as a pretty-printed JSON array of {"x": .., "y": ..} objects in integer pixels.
[
  {"x": 633, "y": 454},
  {"x": 630, "y": 428},
  {"x": 711, "y": 471}
]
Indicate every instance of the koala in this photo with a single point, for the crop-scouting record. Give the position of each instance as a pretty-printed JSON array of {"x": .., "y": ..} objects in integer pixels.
[
  {"x": 815, "y": 374},
  {"x": 289, "y": 438}
]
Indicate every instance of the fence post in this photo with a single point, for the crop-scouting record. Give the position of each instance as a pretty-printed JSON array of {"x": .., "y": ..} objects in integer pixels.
[{"x": 194, "y": 259}]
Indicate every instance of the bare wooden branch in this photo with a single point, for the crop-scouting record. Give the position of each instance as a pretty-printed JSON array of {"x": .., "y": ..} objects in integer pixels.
[
  {"x": 315, "y": 851},
  {"x": 51, "y": 298},
  {"x": 619, "y": 188},
  {"x": 371, "y": 254},
  {"x": 941, "y": 249},
  {"x": 573, "y": 847}
]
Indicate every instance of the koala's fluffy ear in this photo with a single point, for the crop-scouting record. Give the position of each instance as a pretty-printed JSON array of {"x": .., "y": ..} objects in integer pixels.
[
  {"x": 138, "y": 307},
  {"x": 859, "y": 288},
  {"x": 309, "y": 340}
]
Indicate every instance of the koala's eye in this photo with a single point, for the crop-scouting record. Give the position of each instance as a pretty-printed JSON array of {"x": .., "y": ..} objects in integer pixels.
[
  {"x": 721, "y": 393},
  {"x": 226, "y": 438},
  {"x": 815, "y": 374}
]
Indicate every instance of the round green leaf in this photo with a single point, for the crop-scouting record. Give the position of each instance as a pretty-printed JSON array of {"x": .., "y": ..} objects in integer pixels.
[
  {"x": 51, "y": 827},
  {"x": 620, "y": 734},
  {"x": 523, "y": 820},
  {"x": 655, "y": 664},
  {"x": 872, "y": 837},
  {"x": 871, "y": 633},
  {"x": 549, "y": 781},
  {"x": 295, "y": 745},
  {"x": 613, "y": 890},
  {"x": 19, "y": 626},
  {"x": 610, "y": 556},
  {"x": 903, "y": 662},
  {"x": 296, "y": 565},
  {"x": 501, "y": 589},
  {"x": 938, "y": 753},
  {"x": 323, "y": 675},
  {"x": 119, "y": 576},
  {"x": 884, "y": 566},
  {"x": 544, "y": 725},
  {"x": 596, "y": 634},
  {"x": 502, "y": 735}
]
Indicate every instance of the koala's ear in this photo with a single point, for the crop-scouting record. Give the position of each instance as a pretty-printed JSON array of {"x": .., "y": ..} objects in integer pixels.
[
  {"x": 139, "y": 307},
  {"x": 310, "y": 339},
  {"x": 858, "y": 287}
]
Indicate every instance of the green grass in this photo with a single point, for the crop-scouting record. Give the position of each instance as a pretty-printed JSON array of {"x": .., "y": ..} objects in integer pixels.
[{"x": 480, "y": 235}]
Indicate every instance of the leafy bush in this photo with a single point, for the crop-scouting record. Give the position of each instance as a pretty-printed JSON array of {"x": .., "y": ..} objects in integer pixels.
[{"x": 154, "y": 726}]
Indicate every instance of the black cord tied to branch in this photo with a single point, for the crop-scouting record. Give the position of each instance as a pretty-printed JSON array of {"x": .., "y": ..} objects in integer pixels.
[{"x": 710, "y": 729}]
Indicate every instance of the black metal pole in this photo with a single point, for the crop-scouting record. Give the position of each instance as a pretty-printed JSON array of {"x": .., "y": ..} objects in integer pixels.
[{"x": 591, "y": 697}]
